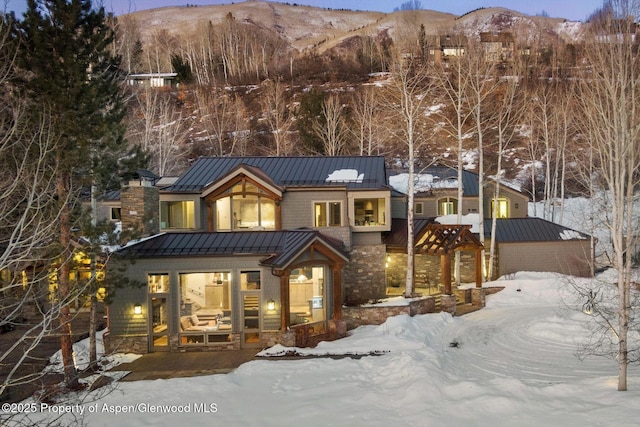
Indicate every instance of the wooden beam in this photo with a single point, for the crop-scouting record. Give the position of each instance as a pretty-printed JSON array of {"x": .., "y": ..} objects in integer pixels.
[
  {"x": 337, "y": 293},
  {"x": 479, "y": 272},
  {"x": 445, "y": 267},
  {"x": 285, "y": 301}
]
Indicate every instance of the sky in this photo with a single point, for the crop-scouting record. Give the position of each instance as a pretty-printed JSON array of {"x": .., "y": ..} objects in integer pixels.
[
  {"x": 576, "y": 10},
  {"x": 513, "y": 363}
]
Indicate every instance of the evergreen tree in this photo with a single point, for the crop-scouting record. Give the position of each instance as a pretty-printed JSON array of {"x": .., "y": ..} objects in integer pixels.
[{"x": 69, "y": 71}]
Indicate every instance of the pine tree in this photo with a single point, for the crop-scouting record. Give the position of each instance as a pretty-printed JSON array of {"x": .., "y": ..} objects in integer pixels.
[{"x": 69, "y": 71}]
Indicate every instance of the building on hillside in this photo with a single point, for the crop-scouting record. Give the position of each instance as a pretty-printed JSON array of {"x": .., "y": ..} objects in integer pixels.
[
  {"x": 499, "y": 46},
  {"x": 155, "y": 80}
]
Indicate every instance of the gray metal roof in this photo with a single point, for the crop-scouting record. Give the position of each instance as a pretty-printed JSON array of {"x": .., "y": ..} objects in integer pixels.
[
  {"x": 469, "y": 179},
  {"x": 510, "y": 230},
  {"x": 278, "y": 247},
  {"x": 531, "y": 229},
  {"x": 286, "y": 171}
]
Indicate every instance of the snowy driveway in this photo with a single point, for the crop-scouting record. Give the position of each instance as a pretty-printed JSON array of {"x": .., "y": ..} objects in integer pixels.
[{"x": 535, "y": 345}]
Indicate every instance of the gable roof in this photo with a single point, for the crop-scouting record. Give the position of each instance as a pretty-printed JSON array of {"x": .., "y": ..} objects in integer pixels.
[
  {"x": 368, "y": 172},
  {"x": 278, "y": 247},
  {"x": 443, "y": 177},
  {"x": 439, "y": 177}
]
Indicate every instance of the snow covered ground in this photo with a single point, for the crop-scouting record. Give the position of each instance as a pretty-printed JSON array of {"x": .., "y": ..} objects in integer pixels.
[{"x": 512, "y": 363}]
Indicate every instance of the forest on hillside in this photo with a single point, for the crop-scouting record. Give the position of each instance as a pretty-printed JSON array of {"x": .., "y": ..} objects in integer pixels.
[{"x": 245, "y": 92}]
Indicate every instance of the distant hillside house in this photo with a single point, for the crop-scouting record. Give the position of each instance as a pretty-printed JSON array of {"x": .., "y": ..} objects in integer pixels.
[{"x": 152, "y": 79}]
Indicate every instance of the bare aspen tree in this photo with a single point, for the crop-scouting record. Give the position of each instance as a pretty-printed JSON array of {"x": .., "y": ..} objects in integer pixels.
[
  {"x": 483, "y": 81},
  {"x": 216, "y": 110},
  {"x": 407, "y": 98},
  {"x": 239, "y": 136},
  {"x": 330, "y": 128},
  {"x": 159, "y": 129},
  {"x": 274, "y": 104},
  {"x": 364, "y": 113},
  {"x": 158, "y": 51},
  {"x": 551, "y": 107},
  {"x": 609, "y": 102},
  {"x": 128, "y": 43},
  {"x": 510, "y": 110},
  {"x": 454, "y": 79}
]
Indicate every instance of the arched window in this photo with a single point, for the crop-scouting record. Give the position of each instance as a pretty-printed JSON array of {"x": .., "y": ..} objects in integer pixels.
[{"x": 447, "y": 206}]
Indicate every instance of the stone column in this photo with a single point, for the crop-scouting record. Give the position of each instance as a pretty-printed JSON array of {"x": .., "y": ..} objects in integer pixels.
[
  {"x": 478, "y": 297},
  {"x": 448, "y": 303}
]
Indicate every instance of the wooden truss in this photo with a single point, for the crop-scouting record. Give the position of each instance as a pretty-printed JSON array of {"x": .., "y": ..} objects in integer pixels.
[{"x": 444, "y": 240}]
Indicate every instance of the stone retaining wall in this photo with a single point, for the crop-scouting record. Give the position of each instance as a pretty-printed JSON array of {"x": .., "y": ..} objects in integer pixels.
[{"x": 378, "y": 314}]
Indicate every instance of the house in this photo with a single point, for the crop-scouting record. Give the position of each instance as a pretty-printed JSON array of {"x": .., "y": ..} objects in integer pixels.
[
  {"x": 152, "y": 79},
  {"x": 498, "y": 46},
  {"x": 253, "y": 251}
]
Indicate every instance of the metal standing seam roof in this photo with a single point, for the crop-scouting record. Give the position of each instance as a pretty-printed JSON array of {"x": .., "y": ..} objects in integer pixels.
[
  {"x": 510, "y": 230},
  {"x": 469, "y": 179},
  {"x": 531, "y": 229},
  {"x": 279, "y": 247},
  {"x": 285, "y": 171}
]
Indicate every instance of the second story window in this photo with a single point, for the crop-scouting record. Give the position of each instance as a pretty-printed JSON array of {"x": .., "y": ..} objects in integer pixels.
[
  {"x": 245, "y": 207},
  {"x": 177, "y": 214},
  {"x": 447, "y": 206},
  {"x": 501, "y": 207},
  {"x": 327, "y": 214}
]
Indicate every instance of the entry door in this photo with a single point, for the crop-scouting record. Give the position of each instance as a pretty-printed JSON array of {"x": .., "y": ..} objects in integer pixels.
[
  {"x": 250, "y": 319},
  {"x": 158, "y": 322}
]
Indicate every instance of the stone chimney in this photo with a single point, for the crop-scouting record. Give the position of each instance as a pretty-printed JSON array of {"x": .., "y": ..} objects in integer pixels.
[{"x": 140, "y": 201}]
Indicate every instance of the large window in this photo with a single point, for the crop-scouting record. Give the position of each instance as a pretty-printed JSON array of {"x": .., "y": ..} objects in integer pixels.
[
  {"x": 180, "y": 214},
  {"x": 246, "y": 208},
  {"x": 327, "y": 214},
  {"x": 307, "y": 299},
  {"x": 370, "y": 212},
  {"x": 205, "y": 308},
  {"x": 447, "y": 206},
  {"x": 501, "y": 207}
]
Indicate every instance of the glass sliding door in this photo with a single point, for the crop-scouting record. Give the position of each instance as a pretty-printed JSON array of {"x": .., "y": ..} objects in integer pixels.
[{"x": 251, "y": 308}]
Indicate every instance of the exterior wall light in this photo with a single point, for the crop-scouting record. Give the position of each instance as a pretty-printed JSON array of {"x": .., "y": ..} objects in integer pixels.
[
  {"x": 271, "y": 305},
  {"x": 137, "y": 309}
]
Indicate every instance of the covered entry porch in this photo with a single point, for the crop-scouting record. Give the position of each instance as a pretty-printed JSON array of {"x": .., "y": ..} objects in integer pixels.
[{"x": 435, "y": 249}]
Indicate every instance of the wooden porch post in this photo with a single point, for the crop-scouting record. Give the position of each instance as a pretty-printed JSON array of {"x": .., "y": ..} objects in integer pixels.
[
  {"x": 337, "y": 292},
  {"x": 445, "y": 267},
  {"x": 479, "y": 272},
  {"x": 285, "y": 315}
]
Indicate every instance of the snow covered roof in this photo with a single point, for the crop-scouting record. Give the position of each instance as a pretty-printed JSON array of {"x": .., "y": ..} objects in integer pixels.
[{"x": 436, "y": 178}]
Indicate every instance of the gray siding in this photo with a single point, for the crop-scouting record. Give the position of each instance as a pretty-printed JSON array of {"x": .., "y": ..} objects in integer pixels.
[
  {"x": 566, "y": 257},
  {"x": 297, "y": 206}
]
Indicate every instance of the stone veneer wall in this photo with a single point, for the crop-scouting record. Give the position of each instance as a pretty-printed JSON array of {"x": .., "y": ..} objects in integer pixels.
[
  {"x": 138, "y": 344},
  {"x": 364, "y": 275},
  {"x": 140, "y": 208},
  {"x": 378, "y": 314}
]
